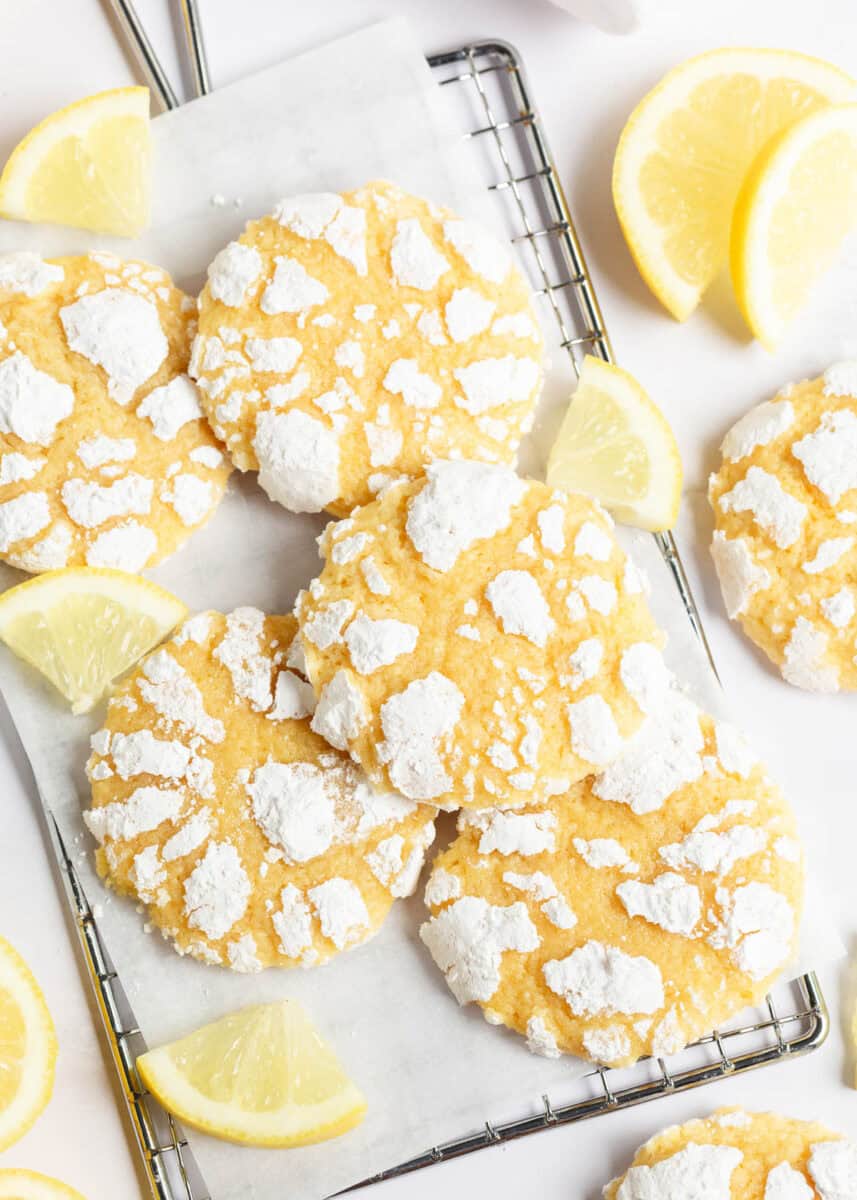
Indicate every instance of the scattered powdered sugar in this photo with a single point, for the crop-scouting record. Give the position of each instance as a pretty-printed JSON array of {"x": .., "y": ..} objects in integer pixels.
[
  {"x": 668, "y": 901},
  {"x": 829, "y": 454},
  {"x": 414, "y": 260},
  {"x": 171, "y": 407},
  {"x": 551, "y": 522},
  {"x": 584, "y": 663},
  {"x": 341, "y": 711},
  {"x": 828, "y": 553},
  {"x": 599, "y": 593},
  {"x": 601, "y": 980},
  {"x": 375, "y": 644},
  {"x": 144, "y": 810},
  {"x": 349, "y": 548},
  {"x": 608, "y": 1045},
  {"x": 592, "y": 542},
  {"x": 16, "y": 467},
  {"x": 559, "y": 913},
  {"x": 141, "y": 753},
  {"x": 32, "y": 403},
  {"x": 479, "y": 248},
  {"x": 512, "y": 832},
  {"x": 416, "y": 722},
  {"x": 92, "y": 504},
  {"x": 734, "y": 751},
  {"x": 27, "y": 273},
  {"x": 234, "y": 269},
  {"x": 519, "y": 605},
  {"x": 96, "y": 451},
  {"x": 278, "y": 354},
  {"x": 467, "y": 940},
  {"x": 540, "y": 1040},
  {"x": 467, "y": 313},
  {"x": 595, "y": 735},
  {"x": 417, "y": 389},
  {"x": 292, "y": 289},
  {"x": 833, "y": 1167},
  {"x": 189, "y": 837},
  {"x": 192, "y": 498},
  {"x": 603, "y": 852},
  {"x": 461, "y": 503},
  {"x": 441, "y": 886},
  {"x": 23, "y": 517},
  {"x": 293, "y": 698},
  {"x": 646, "y": 676},
  {"x": 537, "y": 884},
  {"x": 375, "y": 580},
  {"x": 174, "y": 696},
  {"x": 324, "y": 628},
  {"x": 119, "y": 331},
  {"x": 714, "y": 853},
  {"x": 294, "y": 807},
  {"x": 804, "y": 664},
  {"x": 341, "y": 911},
  {"x": 839, "y": 608},
  {"x": 757, "y": 925},
  {"x": 785, "y": 1183},
  {"x": 298, "y": 460},
  {"x": 242, "y": 955},
  {"x": 240, "y": 651},
  {"x": 147, "y": 874},
  {"x": 840, "y": 379},
  {"x": 701, "y": 1172},
  {"x": 293, "y": 923},
  {"x": 779, "y": 514},
  {"x": 492, "y": 382},
  {"x": 216, "y": 891},
  {"x": 48, "y": 554},
  {"x": 758, "y": 427},
  {"x": 739, "y": 574},
  {"x": 127, "y": 547}
]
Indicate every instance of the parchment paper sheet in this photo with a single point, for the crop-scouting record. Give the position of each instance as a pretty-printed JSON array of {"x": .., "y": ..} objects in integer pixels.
[{"x": 361, "y": 107}]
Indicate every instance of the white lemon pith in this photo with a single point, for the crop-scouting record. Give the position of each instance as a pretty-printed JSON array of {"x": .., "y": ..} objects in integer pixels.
[
  {"x": 797, "y": 204},
  {"x": 82, "y": 627},
  {"x": 87, "y": 165},
  {"x": 28, "y": 1048},
  {"x": 262, "y": 1076},
  {"x": 30, "y": 1185},
  {"x": 616, "y": 445},
  {"x": 686, "y": 148}
]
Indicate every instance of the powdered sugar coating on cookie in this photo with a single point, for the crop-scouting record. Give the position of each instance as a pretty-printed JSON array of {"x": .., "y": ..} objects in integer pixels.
[
  {"x": 657, "y": 898},
  {"x": 346, "y": 340},
  {"x": 252, "y": 842},
  {"x": 463, "y": 680},
  {"x": 784, "y": 547},
  {"x": 105, "y": 456}
]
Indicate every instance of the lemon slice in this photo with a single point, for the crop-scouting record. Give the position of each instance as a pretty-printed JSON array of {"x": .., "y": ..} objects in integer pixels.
[
  {"x": 615, "y": 444},
  {"x": 28, "y": 1048},
  {"x": 261, "y": 1075},
  {"x": 685, "y": 151},
  {"x": 29, "y": 1185},
  {"x": 87, "y": 165},
  {"x": 83, "y": 626},
  {"x": 797, "y": 204}
]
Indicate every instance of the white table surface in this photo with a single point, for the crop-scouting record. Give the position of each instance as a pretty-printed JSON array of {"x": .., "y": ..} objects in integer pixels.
[{"x": 704, "y": 374}]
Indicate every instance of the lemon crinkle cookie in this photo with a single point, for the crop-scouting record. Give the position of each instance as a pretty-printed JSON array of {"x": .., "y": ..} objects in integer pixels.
[
  {"x": 634, "y": 913},
  {"x": 785, "y": 541},
  {"x": 738, "y": 1155},
  {"x": 347, "y": 339},
  {"x": 106, "y": 458},
  {"x": 476, "y": 638},
  {"x": 251, "y": 841}
]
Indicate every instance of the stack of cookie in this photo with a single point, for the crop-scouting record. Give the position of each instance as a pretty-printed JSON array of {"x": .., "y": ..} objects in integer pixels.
[{"x": 625, "y": 875}]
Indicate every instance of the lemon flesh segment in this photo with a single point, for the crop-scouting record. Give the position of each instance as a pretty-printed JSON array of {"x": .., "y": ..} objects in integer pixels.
[
  {"x": 798, "y": 203},
  {"x": 28, "y": 1048},
  {"x": 262, "y": 1076},
  {"x": 686, "y": 149},
  {"x": 16, "y": 1184},
  {"x": 84, "y": 626},
  {"x": 87, "y": 165},
  {"x": 616, "y": 445}
]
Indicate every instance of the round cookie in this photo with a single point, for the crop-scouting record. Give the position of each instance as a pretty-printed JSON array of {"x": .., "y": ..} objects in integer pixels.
[
  {"x": 785, "y": 541},
  {"x": 633, "y": 914},
  {"x": 346, "y": 340},
  {"x": 736, "y": 1155},
  {"x": 477, "y": 639},
  {"x": 250, "y": 840},
  {"x": 106, "y": 459}
]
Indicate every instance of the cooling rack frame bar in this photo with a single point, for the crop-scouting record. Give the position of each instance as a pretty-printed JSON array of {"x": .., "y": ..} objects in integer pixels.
[{"x": 168, "y": 1162}]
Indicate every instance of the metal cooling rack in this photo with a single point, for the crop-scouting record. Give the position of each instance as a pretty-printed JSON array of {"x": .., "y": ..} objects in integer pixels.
[{"x": 520, "y": 172}]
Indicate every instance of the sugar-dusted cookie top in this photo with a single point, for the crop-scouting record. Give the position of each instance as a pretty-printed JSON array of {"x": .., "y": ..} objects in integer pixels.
[
  {"x": 633, "y": 914},
  {"x": 106, "y": 458},
  {"x": 785, "y": 541},
  {"x": 251, "y": 841},
  {"x": 346, "y": 340},
  {"x": 477, "y": 639},
  {"x": 738, "y": 1155}
]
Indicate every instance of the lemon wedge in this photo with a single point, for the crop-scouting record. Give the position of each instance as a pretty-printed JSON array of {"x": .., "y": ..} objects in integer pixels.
[
  {"x": 30, "y": 1185},
  {"x": 87, "y": 165},
  {"x": 686, "y": 148},
  {"x": 261, "y": 1075},
  {"x": 28, "y": 1048},
  {"x": 615, "y": 444},
  {"x": 797, "y": 204},
  {"x": 83, "y": 626}
]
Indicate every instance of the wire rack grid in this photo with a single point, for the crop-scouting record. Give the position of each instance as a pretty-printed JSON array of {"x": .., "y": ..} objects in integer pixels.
[{"x": 508, "y": 134}]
